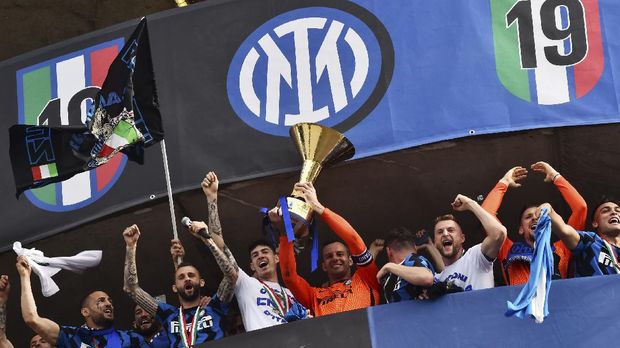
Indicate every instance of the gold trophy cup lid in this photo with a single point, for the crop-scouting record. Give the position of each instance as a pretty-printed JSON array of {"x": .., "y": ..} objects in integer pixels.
[{"x": 321, "y": 144}]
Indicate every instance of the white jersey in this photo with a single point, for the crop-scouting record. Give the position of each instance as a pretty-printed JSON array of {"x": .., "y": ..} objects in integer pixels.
[
  {"x": 473, "y": 271},
  {"x": 255, "y": 305}
]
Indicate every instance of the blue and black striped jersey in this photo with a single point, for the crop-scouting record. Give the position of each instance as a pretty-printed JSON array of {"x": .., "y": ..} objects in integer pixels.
[
  {"x": 592, "y": 257},
  {"x": 209, "y": 325},
  {"x": 397, "y": 289}
]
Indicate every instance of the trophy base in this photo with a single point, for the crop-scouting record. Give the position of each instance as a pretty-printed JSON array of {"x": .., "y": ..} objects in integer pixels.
[{"x": 301, "y": 213}]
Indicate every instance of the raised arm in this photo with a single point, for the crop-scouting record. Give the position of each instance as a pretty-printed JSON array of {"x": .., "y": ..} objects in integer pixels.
[
  {"x": 578, "y": 205},
  {"x": 5, "y": 288},
  {"x": 177, "y": 252},
  {"x": 511, "y": 179},
  {"x": 230, "y": 270},
  {"x": 210, "y": 184},
  {"x": 131, "y": 235},
  {"x": 44, "y": 327},
  {"x": 336, "y": 223},
  {"x": 428, "y": 250},
  {"x": 496, "y": 232},
  {"x": 416, "y": 275},
  {"x": 565, "y": 232}
]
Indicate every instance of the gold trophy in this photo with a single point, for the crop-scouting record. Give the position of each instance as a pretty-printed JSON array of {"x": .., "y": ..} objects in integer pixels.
[{"x": 319, "y": 147}]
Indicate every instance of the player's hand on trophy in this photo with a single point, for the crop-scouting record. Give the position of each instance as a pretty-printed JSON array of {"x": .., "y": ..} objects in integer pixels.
[
  {"x": 131, "y": 235},
  {"x": 309, "y": 192},
  {"x": 275, "y": 215},
  {"x": 210, "y": 185}
]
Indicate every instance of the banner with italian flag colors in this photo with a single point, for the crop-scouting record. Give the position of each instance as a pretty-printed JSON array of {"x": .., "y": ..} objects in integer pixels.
[
  {"x": 548, "y": 51},
  {"x": 53, "y": 145}
]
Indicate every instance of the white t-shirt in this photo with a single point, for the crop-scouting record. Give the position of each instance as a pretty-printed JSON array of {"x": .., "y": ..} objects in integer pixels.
[
  {"x": 473, "y": 271},
  {"x": 255, "y": 305}
]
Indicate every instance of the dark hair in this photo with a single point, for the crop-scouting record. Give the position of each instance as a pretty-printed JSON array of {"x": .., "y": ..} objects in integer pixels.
[
  {"x": 185, "y": 264},
  {"x": 84, "y": 298},
  {"x": 604, "y": 199},
  {"x": 526, "y": 207},
  {"x": 399, "y": 238},
  {"x": 332, "y": 241},
  {"x": 261, "y": 242}
]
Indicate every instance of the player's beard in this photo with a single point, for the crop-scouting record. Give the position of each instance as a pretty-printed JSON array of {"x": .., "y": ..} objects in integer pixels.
[
  {"x": 195, "y": 294},
  {"x": 102, "y": 321},
  {"x": 153, "y": 328}
]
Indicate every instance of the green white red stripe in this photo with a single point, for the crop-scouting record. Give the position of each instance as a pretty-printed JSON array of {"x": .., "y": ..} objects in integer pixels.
[
  {"x": 124, "y": 134},
  {"x": 45, "y": 171}
]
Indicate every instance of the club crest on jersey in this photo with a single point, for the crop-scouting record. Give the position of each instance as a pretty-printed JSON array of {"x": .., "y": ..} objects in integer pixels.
[
  {"x": 58, "y": 92},
  {"x": 548, "y": 52},
  {"x": 315, "y": 64}
]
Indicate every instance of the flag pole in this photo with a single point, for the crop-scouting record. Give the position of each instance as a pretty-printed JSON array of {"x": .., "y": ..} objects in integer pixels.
[{"x": 173, "y": 219}]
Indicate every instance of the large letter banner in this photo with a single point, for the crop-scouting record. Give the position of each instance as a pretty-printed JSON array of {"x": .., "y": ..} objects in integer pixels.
[{"x": 234, "y": 76}]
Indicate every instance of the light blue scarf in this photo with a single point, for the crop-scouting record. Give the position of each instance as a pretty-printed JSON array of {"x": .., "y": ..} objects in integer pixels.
[{"x": 532, "y": 300}]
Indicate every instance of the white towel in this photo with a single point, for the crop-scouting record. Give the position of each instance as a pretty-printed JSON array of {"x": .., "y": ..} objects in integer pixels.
[{"x": 46, "y": 267}]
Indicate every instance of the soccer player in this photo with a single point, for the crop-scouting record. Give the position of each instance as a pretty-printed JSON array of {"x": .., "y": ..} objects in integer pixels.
[
  {"x": 406, "y": 274},
  {"x": 471, "y": 270},
  {"x": 38, "y": 342},
  {"x": 515, "y": 257},
  {"x": 345, "y": 291},
  {"x": 189, "y": 324},
  {"x": 263, "y": 302},
  {"x": 96, "y": 309},
  {"x": 594, "y": 253},
  {"x": 152, "y": 331}
]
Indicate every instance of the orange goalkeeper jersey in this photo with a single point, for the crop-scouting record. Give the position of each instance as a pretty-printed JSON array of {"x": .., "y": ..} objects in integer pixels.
[{"x": 361, "y": 291}]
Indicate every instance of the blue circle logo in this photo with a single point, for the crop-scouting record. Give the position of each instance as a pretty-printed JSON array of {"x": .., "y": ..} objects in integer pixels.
[{"x": 314, "y": 64}]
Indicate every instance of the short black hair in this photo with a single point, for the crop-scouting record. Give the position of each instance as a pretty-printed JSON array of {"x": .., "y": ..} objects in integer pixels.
[
  {"x": 400, "y": 238},
  {"x": 332, "y": 241},
  {"x": 185, "y": 264},
  {"x": 526, "y": 207},
  {"x": 604, "y": 199},
  {"x": 84, "y": 298},
  {"x": 261, "y": 242}
]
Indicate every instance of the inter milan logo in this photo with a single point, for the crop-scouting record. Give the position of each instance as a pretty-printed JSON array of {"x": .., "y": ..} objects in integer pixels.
[
  {"x": 548, "y": 51},
  {"x": 58, "y": 92},
  {"x": 313, "y": 64}
]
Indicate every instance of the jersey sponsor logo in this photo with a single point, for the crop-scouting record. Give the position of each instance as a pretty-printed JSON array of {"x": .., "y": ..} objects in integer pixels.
[
  {"x": 58, "y": 92},
  {"x": 548, "y": 51},
  {"x": 315, "y": 64},
  {"x": 457, "y": 276},
  {"x": 204, "y": 322},
  {"x": 334, "y": 294}
]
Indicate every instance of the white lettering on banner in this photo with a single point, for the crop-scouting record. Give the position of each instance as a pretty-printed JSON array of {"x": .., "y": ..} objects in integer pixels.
[{"x": 279, "y": 68}]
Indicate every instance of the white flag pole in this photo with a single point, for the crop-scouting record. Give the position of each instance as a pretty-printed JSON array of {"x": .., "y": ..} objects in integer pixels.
[{"x": 173, "y": 219}]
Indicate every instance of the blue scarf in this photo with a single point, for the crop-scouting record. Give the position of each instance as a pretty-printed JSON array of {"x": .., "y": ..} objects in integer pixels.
[{"x": 532, "y": 300}]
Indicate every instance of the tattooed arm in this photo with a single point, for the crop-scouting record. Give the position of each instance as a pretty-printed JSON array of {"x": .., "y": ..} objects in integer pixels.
[
  {"x": 210, "y": 185},
  {"x": 229, "y": 268},
  {"x": 131, "y": 287},
  {"x": 5, "y": 287}
]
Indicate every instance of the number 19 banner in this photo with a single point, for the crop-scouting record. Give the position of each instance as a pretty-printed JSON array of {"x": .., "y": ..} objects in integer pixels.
[{"x": 548, "y": 51}]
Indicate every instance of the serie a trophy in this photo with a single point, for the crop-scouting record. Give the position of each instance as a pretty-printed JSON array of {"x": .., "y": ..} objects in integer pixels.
[{"x": 319, "y": 147}]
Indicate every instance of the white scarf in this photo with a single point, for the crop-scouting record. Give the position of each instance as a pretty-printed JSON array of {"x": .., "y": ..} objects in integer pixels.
[{"x": 46, "y": 267}]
